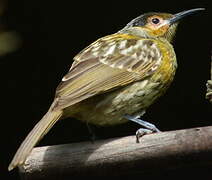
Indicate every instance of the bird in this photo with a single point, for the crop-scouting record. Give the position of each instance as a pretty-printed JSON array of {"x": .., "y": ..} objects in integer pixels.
[{"x": 114, "y": 79}]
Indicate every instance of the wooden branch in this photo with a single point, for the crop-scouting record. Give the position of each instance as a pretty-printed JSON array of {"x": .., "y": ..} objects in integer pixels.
[
  {"x": 209, "y": 85},
  {"x": 121, "y": 156}
]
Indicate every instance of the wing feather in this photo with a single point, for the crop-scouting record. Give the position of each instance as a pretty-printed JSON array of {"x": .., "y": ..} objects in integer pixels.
[{"x": 107, "y": 64}]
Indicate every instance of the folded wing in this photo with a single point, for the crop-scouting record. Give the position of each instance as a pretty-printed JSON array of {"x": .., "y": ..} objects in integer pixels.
[{"x": 107, "y": 64}]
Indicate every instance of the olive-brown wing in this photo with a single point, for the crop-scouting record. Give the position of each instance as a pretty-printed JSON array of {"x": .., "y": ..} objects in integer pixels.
[{"x": 108, "y": 63}]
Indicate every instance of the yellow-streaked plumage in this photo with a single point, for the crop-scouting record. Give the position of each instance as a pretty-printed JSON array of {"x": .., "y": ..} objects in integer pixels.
[
  {"x": 117, "y": 75},
  {"x": 153, "y": 75}
]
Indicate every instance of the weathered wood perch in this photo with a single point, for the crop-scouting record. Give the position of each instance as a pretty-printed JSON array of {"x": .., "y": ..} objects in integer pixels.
[{"x": 120, "y": 156}]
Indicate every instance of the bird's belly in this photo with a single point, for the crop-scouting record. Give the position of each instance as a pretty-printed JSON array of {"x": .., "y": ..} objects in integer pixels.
[{"x": 109, "y": 108}]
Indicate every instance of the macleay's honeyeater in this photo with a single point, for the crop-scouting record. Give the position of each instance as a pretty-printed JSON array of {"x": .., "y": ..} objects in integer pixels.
[{"x": 114, "y": 79}]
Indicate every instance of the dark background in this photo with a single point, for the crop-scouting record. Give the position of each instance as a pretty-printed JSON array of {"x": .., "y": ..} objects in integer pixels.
[{"x": 52, "y": 32}]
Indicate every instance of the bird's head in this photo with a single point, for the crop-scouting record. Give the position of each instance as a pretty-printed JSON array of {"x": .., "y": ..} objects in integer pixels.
[{"x": 157, "y": 25}]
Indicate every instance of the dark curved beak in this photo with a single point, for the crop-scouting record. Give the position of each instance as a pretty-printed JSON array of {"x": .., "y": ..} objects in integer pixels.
[{"x": 183, "y": 14}]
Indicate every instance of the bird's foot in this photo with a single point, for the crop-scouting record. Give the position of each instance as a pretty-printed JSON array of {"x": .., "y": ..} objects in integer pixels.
[{"x": 149, "y": 128}]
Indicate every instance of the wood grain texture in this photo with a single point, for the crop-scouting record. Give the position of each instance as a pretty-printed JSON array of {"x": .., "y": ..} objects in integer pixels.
[{"x": 121, "y": 156}]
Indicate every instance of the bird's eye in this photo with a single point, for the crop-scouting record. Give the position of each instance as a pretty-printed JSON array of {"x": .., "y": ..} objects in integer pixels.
[{"x": 155, "y": 20}]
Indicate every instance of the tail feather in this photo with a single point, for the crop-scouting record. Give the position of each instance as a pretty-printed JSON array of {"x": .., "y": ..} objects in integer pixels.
[{"x": 37, "y": 133}]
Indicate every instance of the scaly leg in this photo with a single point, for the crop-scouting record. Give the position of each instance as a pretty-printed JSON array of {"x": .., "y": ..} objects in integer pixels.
[{"x": 150, "y": 128}]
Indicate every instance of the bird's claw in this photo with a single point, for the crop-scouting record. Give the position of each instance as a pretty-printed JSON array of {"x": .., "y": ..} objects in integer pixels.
[{"x": 149, "y": 128}]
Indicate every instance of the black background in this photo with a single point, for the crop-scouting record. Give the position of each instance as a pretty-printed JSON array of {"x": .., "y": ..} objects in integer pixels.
[{"x": 53, "y": 32}]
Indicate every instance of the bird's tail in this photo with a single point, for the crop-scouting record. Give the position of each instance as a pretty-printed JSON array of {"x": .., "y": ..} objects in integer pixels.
[{"x": 37, "y": 133}]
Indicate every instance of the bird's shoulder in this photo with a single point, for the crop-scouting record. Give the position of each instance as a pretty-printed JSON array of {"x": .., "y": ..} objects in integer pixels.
[{"x": 121, "y": 51}]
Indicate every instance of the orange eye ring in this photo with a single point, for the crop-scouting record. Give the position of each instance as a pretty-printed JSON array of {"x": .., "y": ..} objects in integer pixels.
[{"x": 155, "y": 20}]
